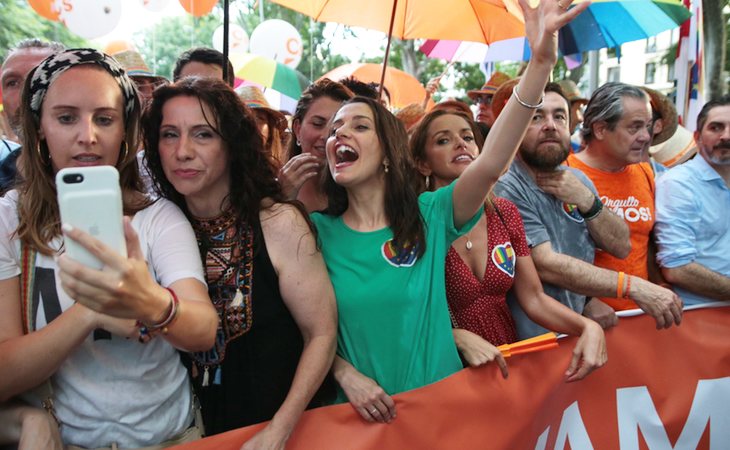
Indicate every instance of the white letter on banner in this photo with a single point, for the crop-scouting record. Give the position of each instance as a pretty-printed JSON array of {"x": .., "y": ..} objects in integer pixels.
[
  {"x": 573, "y": 429},
  {"x": 711, "y": 404}
]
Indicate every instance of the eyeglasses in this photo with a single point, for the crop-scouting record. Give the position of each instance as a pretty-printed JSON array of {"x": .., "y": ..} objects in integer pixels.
[{"x": 484, "y": 100}]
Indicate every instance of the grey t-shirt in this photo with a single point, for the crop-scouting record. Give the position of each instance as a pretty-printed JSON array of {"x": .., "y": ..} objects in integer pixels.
[{"x": 547, "y": 219}]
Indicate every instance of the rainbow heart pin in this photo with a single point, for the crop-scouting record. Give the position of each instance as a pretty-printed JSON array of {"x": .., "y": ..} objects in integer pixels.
[
  {"x": 503, "y": 256},
  {"x": 572, "y": 212}
]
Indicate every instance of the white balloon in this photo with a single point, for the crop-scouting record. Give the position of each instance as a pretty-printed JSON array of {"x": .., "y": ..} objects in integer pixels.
[
  {"x": 237, "y": 39},
  {"x": 90, "y": 18},
  {"x": 279, "y": 40},
  {"x": 154, "y": 5}
]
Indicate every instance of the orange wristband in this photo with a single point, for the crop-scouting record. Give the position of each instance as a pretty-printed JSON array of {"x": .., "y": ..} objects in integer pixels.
[
  {"x": 628, "y": 286},
  {"x": 620, "y": 285}
]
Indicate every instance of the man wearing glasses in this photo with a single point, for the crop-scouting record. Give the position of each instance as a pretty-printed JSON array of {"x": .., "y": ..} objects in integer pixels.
[{"x": 483, "y": 97}]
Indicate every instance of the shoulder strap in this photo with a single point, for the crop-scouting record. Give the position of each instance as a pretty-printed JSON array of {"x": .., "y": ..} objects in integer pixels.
[{"x": 27, "y": 272}]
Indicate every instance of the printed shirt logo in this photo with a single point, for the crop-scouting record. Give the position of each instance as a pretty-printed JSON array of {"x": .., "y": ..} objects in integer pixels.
[
  {"x": 406, "y": 257},
  {"x": 503, "y": 256},
  {"x": 572, "y": 212}
]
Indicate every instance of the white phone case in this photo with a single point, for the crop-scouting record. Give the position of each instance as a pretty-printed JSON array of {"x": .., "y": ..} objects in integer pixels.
[{"x": 89, "y": 198}]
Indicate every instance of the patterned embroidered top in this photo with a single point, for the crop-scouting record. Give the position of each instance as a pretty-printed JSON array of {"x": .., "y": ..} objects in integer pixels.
[{"x": 227, "y": 252}]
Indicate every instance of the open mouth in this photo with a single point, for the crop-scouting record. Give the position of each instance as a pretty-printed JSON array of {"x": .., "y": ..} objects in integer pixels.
[
  {"x": 463, "y": 158},
  {"x": 345, "y": 154}
]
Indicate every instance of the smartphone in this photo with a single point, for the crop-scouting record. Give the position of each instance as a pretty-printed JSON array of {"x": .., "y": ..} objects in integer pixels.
[{"x": 89, "y": 198}]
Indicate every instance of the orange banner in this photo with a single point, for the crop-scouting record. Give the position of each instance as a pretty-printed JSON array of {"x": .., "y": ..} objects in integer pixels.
[{"x": 667, "y": 389}]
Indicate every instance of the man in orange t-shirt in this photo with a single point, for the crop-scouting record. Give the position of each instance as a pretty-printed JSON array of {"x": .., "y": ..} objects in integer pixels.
[{"x": 617, "y": 132}]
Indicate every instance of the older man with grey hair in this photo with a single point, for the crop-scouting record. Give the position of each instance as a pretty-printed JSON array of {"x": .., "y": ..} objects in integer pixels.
[
  {"x": 617, "y": 132},
  {"x": 19, "y": 61},
  {"x": 565, "y": 221}
]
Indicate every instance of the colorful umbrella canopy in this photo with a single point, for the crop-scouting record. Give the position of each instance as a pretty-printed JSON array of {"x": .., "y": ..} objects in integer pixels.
[
  {"x": 404, "y": 88},
  {"x": 464, "y": 20},
  {"x": 605, "y": 24},
  {"x": 267, "y": 73}
]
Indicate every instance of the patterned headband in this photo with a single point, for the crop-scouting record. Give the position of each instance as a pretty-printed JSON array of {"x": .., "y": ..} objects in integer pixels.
[{"x": 53, "y": 66}]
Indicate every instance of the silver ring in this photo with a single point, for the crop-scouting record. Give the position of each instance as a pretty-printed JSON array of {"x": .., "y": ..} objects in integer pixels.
[{"x": 374, "y": 411}]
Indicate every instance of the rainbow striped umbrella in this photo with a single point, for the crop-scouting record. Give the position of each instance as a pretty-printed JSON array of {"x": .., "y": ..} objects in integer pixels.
[
  {"x": 267, "y": 73},
  {"x": 605, "y": 24}
]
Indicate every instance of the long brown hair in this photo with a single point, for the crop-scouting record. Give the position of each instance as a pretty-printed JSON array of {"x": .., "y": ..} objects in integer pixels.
[
  {"x": 401, "y": 198},
  {"x": 38, "y": 216}
]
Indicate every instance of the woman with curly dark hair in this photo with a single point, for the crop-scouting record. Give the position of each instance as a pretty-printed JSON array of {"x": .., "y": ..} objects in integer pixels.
[{"x": 265, "y": 275}]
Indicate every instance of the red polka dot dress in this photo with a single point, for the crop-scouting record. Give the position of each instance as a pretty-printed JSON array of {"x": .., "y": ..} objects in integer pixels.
[{"x": 481, "y": 306}]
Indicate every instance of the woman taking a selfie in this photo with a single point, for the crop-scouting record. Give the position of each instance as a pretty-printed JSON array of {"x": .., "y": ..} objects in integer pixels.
[
  {"x": 106, "y": 339},
  {"x": 276, "y": 337}
]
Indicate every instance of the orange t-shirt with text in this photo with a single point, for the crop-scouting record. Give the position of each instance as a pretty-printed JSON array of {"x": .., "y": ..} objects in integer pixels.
[{"x": 630, "y": 194}]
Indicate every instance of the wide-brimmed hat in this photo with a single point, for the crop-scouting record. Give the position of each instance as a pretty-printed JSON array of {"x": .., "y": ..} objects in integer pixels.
[
  {"x": 135, "y": 66},
  {"x": 571, "y": 91},
  {"x": 490, "y": 87},
  {"x": 502, "y": 95},
  {"x": 665, "y": 108},
  {"x": 254, "y": 99},
  {"x": 680, "y": 147},
  {"x": 411, "y": 115}
]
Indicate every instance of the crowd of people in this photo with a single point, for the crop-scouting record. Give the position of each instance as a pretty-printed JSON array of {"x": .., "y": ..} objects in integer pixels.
[{"x": 342, "y": 256}]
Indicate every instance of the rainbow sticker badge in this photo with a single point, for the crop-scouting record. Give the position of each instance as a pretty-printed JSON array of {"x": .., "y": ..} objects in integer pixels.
[
  {"x": 572, "y": 212},
  {"x": 406, "y": 257},
  {"x": 503, "y": 256}
]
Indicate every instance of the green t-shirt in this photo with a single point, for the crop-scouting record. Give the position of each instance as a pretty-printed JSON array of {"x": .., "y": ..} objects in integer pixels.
[{"x": 394, "y": 324}]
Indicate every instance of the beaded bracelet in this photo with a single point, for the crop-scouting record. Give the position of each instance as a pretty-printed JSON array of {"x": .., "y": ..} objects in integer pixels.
[
  {"x": 147, "y": 332},
  {"x": 628, "y": 287},
  {"x": 525, "y": 104}
]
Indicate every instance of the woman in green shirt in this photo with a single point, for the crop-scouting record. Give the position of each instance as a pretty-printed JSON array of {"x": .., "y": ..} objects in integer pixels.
[{"x": 384, "y": 245}]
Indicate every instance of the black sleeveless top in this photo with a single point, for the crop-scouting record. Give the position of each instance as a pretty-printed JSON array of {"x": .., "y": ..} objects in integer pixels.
[{"x": 245, "y": 378}]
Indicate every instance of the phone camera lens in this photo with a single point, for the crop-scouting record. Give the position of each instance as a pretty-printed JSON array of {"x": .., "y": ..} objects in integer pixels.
[{"x": 73, "y": 178}]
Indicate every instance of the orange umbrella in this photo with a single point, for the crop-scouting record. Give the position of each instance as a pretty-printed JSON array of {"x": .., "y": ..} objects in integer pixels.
[
  {"x": 404, "y": 88},
  {"x": 462, "y": 20}
]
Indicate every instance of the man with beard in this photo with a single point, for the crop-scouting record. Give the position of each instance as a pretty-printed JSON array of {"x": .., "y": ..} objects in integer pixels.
[
  {"x": 693, "y": 213},
  {"x": 565, "y": 221},
  {"x": 19, "y": 61},
  {"x": 617, "y": 132}
]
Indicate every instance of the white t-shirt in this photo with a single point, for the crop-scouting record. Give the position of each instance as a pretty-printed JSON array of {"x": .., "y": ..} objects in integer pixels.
[{"x": 111, "y": 389}]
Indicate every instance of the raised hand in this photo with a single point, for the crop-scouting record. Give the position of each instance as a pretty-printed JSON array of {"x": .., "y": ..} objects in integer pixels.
[
  {"x": 542, "y": 25},
  {"x": 296, "y": 172}
]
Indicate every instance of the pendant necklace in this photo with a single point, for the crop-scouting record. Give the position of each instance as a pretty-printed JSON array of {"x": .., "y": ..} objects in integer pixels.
[{"x": 468, "y": 243}]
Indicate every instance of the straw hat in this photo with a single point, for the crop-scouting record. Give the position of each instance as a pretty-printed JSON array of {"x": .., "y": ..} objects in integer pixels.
[
  {"x": 677, "y": 149},
  {"x": 490, "y": 87},
  {"x": 254, "y": 99},
  {"x": 134, "y": 65},
  {"x": 571, "y": 91},
  {"x": 502, "y": 95},
  {"x": 410, "y": 115},
  {"x": 665, "y": 108}
]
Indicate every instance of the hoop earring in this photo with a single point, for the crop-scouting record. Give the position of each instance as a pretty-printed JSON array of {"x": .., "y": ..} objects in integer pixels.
[
  {"x": 126, "y": 151},
  {"x": 428, "y": 181},
  {"x": 299, "y": 143},
  {"x": 44, "y": 161}
]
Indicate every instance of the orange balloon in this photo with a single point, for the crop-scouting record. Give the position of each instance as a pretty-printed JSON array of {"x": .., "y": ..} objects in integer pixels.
[
  {"x": 114, "y": 47},
  {"x": 198, "y": 8},
  {"x": 44, "y": 8}
]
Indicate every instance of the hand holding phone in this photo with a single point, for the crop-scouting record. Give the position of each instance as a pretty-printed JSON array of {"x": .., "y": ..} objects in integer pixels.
[{"x": 90, "y": 199}]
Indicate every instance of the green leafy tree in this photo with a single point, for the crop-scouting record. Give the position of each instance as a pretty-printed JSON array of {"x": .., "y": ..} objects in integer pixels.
[
  {"x": 161, "y": 45},
  {"x": 19, "y": 21}
]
